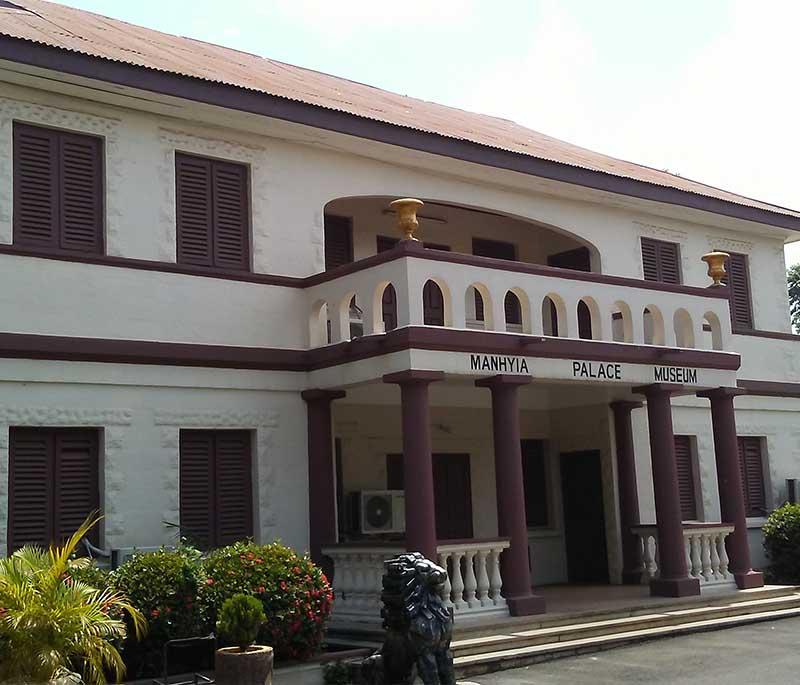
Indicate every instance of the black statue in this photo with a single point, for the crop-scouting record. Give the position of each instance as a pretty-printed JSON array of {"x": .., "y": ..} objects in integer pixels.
[{"x": 418, "y": 626}]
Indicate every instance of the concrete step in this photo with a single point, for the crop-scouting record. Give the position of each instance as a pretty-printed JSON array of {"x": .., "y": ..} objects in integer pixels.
[
  {"x": 503, "y": 655},
  {"x": 608, "y": 626}
]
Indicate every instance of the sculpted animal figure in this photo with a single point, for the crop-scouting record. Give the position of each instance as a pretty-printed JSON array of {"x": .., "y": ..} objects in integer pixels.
[{"x": 418, "y": 626}]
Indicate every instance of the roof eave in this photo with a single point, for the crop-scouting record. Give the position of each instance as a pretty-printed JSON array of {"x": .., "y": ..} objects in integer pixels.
[{"x": 254, "y": 102}]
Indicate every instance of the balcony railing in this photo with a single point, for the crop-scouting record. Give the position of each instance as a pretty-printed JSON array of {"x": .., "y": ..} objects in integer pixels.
[
  {"x": 706, "y": 557},
  {"x": 350, "y": 301},
  {"x": 474, "y": 585}
]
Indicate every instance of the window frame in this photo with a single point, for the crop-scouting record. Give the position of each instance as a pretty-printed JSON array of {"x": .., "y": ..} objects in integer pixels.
[
  {"x": 56, "y": 249},
  {"x": 764, "y": 471},
  {"x": 658, "y": 244},
  {"x": 694, "y": 468},
  {"x": 248, "y": 204}
]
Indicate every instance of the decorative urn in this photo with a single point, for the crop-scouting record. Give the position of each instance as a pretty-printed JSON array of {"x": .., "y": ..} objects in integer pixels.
[
  {"x": 407, "y": 221},
  {"x": 716, "y": 266}
]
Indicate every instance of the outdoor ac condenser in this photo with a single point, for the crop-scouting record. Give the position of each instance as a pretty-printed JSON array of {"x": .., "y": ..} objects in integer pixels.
[{"x": 382, "y": 511}]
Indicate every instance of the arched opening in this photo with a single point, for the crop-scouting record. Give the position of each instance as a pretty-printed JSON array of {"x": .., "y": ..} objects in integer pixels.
[
  {"x": 318, "y": 328},
  {"x": 589, "y": 324},
  {"x": 684, "y": 329},
  {"x": 554, "y": 316},
  {"x": 478, "y": 306},
  {"x": 712, "y": 332},
  {"x": 513, "y": 312},
  {"x": 621, "y": 323},
  {"x": 653, "y": 324},
  {"x": 433, "y": 305},
  {"x": 389, "y": 308}
]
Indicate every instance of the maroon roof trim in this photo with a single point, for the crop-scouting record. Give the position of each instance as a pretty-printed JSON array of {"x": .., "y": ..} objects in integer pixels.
[
  {"x": 234, "y": 97},
  {"x": 32, "y": 346}
]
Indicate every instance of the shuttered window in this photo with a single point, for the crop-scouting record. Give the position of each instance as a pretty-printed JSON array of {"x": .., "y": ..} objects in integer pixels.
[
  {"x": 683, "y": 462},
  {"x": 212, "y": 213},
  {"x": 338, "y": 241},
  {"x": 534, "y": 478},
  {"x": 216, "y": 501},
  {"x": 751, "y": 466},
  {"x": 497, "y": 249},
  {"x": 53, "y": 484},
  {"x": 738, "y": 279},
  {"x": 58, "y": 190},
  {"x": 661, "y": 261}
]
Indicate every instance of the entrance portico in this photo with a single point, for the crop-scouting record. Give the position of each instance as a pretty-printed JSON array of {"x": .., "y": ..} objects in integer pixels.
[{"x": 448, "y": 411}]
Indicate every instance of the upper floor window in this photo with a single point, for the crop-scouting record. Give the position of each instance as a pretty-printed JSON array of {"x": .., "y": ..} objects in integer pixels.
[
  {"x": 338, "y": 241},
  {"x": 739, "y": 282},
  {"x": 212, "y": 213},
  {"x": 58, "y": 190},
  {"x": 661, "y": 261}
]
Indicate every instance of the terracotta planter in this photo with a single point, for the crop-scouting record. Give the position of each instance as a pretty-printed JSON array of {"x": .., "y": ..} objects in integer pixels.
[{"x": 251, "y": 667}]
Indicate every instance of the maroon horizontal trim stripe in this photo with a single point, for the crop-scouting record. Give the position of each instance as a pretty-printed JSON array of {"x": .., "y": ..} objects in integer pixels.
[
  {"x": 242, "y": 99},
  {"x": 775, "y": 335},
  {"x": 148, "y": 265},
  {"x": 770, "y": 388},
  {"x": 66, "y": 348}
]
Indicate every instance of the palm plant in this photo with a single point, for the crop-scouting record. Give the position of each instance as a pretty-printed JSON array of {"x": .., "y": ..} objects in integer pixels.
[{"x": 55, "y": 628}]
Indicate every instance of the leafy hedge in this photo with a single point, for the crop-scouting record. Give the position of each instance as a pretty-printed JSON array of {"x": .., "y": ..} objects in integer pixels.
[
  {"x": 782, "y": 544},
  {"x": 295, "y": 594}
]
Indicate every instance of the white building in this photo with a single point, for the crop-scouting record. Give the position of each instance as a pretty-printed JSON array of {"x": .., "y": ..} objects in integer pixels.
[{"x": 191, "y": 238}]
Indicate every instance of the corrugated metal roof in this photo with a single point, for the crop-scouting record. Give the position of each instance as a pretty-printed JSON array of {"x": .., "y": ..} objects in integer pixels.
[{"x": 92, "y": 34}]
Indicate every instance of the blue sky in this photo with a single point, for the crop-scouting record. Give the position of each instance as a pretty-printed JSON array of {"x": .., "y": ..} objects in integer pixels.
[{"x": 703, "y": 88}]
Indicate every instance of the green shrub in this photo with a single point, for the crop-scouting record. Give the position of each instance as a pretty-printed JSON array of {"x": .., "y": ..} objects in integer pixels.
[
  {"x": 782, "y": 544},
  {"x": 85, "y": 570},
  {"x": 164, "y": 587},
  {"x": 240, "y": 620},
  {"x": 294, "y": 593},
  {"x": 336, "y": 673}
]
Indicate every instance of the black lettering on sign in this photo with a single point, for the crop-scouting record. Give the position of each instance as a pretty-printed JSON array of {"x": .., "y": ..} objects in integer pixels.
[
  {"x": 597, "y": 370},
  {"x": 498, "y": 363},
  {"x": 674, "y": 374}
]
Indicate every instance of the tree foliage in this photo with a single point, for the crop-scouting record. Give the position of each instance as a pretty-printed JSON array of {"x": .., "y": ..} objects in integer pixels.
[
  {"x": 54, "y": 626},
  {"x": 240, "y": 620},
  {"x": 793, "y": 284}
]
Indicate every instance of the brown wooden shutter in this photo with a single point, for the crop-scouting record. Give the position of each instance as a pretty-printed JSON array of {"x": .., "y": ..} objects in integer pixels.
[
  {"x": 513, "y": 309},
  {"x": 740, "y": 299},
  {"x": 234, "y": 487},
  {"x": 212, "y": 213},
  {"x": 216, "y": 503},
  {"x": 58, "y": 190},
  {"x": 660, "y": 261},
  {"x": 338, "y": 241},
  {"x": 196, "y": 483},
  {"x": 534, "y": 478},
  {"x": 751, "y": 468},
  {"x": 432, "y": 304},
  {"x": 683, "y": 462},
  {"x": 30, "y": 519},
  {"x": 54, "y": 479}
]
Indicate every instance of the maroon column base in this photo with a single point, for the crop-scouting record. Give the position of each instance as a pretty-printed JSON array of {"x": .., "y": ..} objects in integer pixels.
[
  {"x": 749, "y": 580},
  {"x": 680, "y": 587},
  {"x": 526, "y": 606},
  {"x": 631, "y": 577}
]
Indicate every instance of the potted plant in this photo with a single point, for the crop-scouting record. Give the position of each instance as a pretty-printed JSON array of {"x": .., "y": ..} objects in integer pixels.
[{"x": 240, "y": 619}]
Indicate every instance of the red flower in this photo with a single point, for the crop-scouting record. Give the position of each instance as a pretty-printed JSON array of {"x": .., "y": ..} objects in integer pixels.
[
  {"x": 296, "y": 570},
  {"x": 283, "y": 585},
  {"x": 259, "y": 561},
  {"x": 250, "y": 556},
  {"x": 261, "y": 589},
  {"x": 155, "y": 613},
  {"x": 209, "y": 581}
]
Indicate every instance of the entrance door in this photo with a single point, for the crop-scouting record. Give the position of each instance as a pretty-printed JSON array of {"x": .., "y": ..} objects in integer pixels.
[
  {"x": 452, "y": 487},
  {"x": 584, "y": 518}
]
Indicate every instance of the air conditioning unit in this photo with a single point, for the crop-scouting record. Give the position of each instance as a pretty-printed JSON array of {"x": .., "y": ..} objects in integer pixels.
[
  {"x": 121, "y": 555},
  {"x": 383, "y": 511}
]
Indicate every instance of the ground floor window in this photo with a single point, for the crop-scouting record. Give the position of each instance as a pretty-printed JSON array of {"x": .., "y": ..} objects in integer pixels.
[
  {"x": 751, "y": 466},
  {"x": 216, "y": 482},
  {"x": 54, "y": 477},
  {"x": 684, "y": 461}
]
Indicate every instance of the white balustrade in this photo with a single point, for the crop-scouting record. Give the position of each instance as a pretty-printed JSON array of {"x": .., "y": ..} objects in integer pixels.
[
  {"x": 675, "y": 316},
  {"x": 473, "y": 586},
  {"x": 706, "y": 557}
]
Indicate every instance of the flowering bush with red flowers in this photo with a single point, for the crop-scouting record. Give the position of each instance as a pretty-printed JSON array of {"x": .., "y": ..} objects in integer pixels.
[
  {"x": 296, "y": 595},
  {"x": 163, "y": 586}
]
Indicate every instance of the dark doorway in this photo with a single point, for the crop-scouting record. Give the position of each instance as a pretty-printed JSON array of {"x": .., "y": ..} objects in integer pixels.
[
  {"x": 452, "y": 491},
  {"x": 584, "y": 517}
]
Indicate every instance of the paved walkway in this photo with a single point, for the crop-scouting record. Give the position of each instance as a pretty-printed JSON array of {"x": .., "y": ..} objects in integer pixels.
[{"x": 760, "y": 654}]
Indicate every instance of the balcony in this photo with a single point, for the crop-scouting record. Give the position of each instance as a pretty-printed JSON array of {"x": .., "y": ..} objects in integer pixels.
[{"x": 410, "y": 285}]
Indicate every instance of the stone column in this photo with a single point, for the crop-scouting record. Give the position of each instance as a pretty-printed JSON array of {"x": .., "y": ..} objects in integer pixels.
[
  {"x": 628, "y": 491},
  {"x": 417, "y": 463},
  {"x": 321, "y": 473},
  {"x": 674, "y": 579},
  {"x": 729, "y": 479},
  {"x": 511, "y": 519}
]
